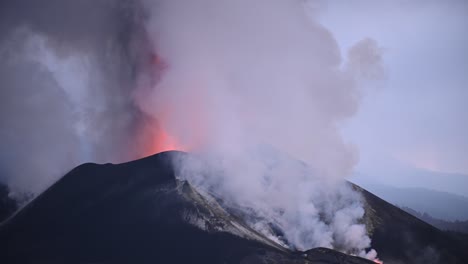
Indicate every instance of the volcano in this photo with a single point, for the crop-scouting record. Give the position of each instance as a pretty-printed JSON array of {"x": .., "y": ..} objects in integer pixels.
[{"x": 139, "y": 212}]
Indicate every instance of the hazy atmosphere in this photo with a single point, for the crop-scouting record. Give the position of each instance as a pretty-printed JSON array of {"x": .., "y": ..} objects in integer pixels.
[{"x": 417, "y": 119}]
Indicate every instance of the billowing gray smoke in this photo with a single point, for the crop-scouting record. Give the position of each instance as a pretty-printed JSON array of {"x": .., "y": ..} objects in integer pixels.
[
  {"x": 241, "y": 80},
  {"x": 247, "y": 74},
  {"x": 67, "y": 74}
]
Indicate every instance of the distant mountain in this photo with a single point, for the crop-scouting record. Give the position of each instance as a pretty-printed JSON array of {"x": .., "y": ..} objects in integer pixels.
[
  {"x": 138, "y": 212},
  {"x": 457, "y": 226},
  {"x": 402, "y": 176},
  {"x": 400, "y": 237},
  {"x": 441, "y": 205}
]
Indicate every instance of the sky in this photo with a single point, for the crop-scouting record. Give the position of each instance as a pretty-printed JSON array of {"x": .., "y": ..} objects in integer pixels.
[{"x": 418, "y": 115}]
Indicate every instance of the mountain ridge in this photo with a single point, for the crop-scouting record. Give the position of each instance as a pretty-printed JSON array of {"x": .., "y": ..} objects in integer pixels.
[{"x": 139, "y": 212}]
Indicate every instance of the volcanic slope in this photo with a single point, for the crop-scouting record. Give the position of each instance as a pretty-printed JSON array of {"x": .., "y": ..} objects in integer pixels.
[
  {"x": 399, "y": 237},
  {"x": 138, "y": 212}
]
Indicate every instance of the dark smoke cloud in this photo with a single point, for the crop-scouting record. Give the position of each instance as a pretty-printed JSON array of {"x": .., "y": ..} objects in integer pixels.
[
  {"x": 77, "y": 85},
  {"x": 67, "y": 74}
]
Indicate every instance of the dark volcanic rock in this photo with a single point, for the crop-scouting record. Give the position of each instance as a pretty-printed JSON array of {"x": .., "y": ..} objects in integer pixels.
[
  {"x": 326, "y": 255},
  {"x": 138, "y": 212},
  {"x": 399, "y": 237},
  {"x": 7, "y": 205}
]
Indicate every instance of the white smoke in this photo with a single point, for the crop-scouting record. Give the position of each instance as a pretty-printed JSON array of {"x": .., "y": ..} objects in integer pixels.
[
  {"x": 37, "y": 116},
  {"x": 243, "y": 78},
  {"x": 246, "y": 77}
]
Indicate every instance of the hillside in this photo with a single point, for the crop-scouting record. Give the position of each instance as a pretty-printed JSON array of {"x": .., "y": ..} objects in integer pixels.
[
  {"x": 441, "y": 205},
  {"x": 138, "y": 212}
]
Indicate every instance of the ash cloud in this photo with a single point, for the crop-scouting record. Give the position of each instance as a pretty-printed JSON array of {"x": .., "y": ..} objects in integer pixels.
[
  {"x": 67, "y": 74},
  {"x": 246, "y": 85},
  {"x": 247, "y": 77}
]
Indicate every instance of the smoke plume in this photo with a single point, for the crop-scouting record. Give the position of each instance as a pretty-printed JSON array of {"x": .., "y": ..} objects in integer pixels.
[
  {"x": 244, "y": 78},
  {"x": 67, "y": 74},
  {"x": 258, "y": 88}
]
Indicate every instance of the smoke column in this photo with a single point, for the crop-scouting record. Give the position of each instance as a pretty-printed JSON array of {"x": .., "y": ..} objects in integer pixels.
[
  {"x": 249, "y": 85},
  {"x": 67, "y": 74},
  {"x": 244, "y": 78}
]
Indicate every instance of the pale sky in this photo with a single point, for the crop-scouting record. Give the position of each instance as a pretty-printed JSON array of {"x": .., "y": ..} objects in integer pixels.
[{"x": 419, "y": 115}]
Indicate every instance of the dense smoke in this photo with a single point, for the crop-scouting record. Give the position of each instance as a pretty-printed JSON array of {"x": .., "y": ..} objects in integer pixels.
[
  {"x": 67, "y": 73},
  {"x": 261, "y": 71},
  {"x": 256, "y": 70},
  {"x": 249, "y": 84},
  {"x": 246, "y": 77}
]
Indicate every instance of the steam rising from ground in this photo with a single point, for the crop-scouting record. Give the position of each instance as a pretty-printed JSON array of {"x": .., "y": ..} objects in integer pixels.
[
  {"x": 245, "y": 74},
  {"x": 241, "y": 82}
]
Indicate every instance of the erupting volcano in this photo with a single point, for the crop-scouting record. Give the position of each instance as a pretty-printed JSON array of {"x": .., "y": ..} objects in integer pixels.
[
  {"x": 141, "y": 212},
  {"x": 236, "y": 107}
]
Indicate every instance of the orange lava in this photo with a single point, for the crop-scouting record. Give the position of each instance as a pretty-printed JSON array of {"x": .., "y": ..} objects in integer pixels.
[
  {"x": 164, "y": 142},
  {"x": 162, "y": 138}
]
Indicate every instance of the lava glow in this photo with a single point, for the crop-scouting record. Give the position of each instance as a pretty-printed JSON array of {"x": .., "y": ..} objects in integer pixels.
[
  {"x": 161, "y": 139},
  {"x": 164, "y": 139},
  {"x": 164, "y": 142},
  {"x": 378, "y": 261}
]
